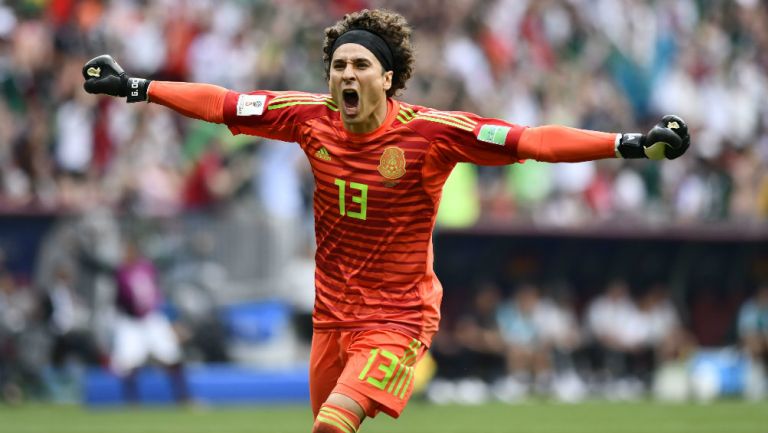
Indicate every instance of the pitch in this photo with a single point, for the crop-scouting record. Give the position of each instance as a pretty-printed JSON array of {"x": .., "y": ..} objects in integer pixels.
[{"x": 592, "y": 417}]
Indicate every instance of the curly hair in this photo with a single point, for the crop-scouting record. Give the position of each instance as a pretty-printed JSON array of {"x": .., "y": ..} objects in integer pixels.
[{"x": 391, "y": 26}]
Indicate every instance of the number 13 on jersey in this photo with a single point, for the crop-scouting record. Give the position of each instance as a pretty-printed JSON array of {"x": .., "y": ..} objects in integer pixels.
[{"x": 361, "y": 199}]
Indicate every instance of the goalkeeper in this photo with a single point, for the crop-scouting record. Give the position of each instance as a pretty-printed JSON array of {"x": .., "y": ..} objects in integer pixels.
[{"x": 379, "y": 166}]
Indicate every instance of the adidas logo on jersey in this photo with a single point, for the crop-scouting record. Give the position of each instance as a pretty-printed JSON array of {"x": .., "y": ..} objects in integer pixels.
[{"x": 323, "y": 154}]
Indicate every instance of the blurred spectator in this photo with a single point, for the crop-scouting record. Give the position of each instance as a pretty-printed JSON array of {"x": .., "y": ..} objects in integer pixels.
[
  {"x": 527, "y": 349},
  {"x": 11, "y": 325},
  {"x": 713, "y": 311},
  {"x": 67, "y": 319},
  {"x": 667, "y": 337},
  {"x": 559, "y": 329},
  {"x": 619, "y": 336},
  {"x": 141, "y": 329},
  {"x": 21, "y": 345},
  {"x": 561, "y": 332},
  {"x": 753, "y": 326},
  {"x": 473, "y": 345},
  {"x": 210, "y": 181},
  {"x": 281, "y": 170},
  {"x": 299, "y": 291},
  {"x": 98, "y": 250},
  {"x": 73, "y": 344},
  {"x": 470, "y": 353},
  {"x": 194, "y": 280}
]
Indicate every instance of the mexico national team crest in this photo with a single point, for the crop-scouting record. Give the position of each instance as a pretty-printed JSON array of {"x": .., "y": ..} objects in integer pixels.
[{"x": 392, "y": 164}]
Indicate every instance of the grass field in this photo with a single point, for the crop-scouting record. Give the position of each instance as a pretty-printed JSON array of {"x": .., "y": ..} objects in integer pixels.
[{"x": 594, "y": 417}]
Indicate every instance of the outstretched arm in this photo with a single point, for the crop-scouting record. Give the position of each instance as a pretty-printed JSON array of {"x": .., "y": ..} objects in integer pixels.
[
  {"x": 552, "y": 143},
  {"x": 103, "y": 75},
  {"x": 276, "y": 115},
  {"x": 199, "y": 101}
]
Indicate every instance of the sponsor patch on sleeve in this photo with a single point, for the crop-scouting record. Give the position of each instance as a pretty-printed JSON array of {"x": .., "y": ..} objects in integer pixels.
[
  {"x": 495, "y": 134},
  {"x": 251, "y": 105}
]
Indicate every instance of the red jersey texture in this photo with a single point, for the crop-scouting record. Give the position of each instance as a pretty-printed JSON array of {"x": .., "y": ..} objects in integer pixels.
[{"x": 375, "y": 200}]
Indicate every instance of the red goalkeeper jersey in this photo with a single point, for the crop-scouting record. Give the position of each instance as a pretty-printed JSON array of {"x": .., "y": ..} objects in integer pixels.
[{"x": 375, "y": 200}]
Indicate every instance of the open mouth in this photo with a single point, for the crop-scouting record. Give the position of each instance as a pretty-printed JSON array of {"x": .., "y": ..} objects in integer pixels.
[{"x": 351, "y": 101}]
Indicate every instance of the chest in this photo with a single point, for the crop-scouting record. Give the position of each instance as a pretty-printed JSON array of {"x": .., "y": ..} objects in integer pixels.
[
  {"x": 366, "y": 179},
  {"x": 391, "y": 161}
]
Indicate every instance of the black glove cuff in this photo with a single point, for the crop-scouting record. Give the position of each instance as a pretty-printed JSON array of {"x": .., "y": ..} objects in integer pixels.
[
  {"x": 632, "y": 146},
  {"x": 137, "y": 89}
]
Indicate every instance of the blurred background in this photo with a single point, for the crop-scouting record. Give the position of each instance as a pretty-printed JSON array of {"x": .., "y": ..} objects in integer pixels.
[{"x": 613, "y": 280}]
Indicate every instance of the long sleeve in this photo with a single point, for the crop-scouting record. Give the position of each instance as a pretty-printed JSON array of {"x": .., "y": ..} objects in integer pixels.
[
  {"x": 199, "y": 101},
  {"x": 553, "y": 143}
]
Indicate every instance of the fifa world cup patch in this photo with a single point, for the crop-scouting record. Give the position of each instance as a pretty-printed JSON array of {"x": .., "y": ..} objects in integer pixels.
[
  {"x": 495, "y": 134},
  {"x": 251, "y": 105}
]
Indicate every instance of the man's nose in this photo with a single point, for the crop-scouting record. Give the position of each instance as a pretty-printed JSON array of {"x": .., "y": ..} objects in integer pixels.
[{"x": 348, "y": 73}]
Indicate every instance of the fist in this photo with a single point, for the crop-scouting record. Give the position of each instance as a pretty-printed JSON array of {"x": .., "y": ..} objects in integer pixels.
[
  {"x": 667, "y": 139},
  {"x": 104, "y": 76}
]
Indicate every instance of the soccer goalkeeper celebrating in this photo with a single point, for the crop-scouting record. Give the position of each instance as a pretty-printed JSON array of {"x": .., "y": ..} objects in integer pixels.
[{"x": 379, "y": 166}]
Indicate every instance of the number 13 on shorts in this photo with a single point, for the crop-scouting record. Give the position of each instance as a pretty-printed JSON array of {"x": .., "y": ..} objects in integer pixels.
[{"x": 385, "y": 371}]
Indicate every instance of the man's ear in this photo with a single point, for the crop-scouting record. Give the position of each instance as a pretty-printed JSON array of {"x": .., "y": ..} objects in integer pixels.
[{"x": 388, "y": 80}]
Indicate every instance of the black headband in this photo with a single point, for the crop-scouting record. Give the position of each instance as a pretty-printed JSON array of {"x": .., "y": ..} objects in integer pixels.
[{"x": 371, "y": 41}]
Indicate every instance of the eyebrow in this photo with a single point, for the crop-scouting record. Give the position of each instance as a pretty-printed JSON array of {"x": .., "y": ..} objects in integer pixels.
[{"x": 353, "y": 59}]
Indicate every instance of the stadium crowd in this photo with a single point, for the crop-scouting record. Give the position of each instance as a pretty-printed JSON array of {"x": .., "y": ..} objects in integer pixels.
[{"x": 596, "y": 64}]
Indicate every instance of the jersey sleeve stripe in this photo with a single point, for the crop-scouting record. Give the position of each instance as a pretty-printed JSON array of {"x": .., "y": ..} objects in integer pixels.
[
  {"x": 286, "y": 95},
  {"x": 444, "y": 122},
  {"x": 464, "y": 118},
  {"x": 290, "y": 104},
  {"x": 320, "y": 98},
  {"x": 450, "y": 116},
  {"x": 301, "y": 95}
]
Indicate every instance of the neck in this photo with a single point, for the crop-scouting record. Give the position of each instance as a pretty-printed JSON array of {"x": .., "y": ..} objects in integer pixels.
[{"x": 370, "y": 124}]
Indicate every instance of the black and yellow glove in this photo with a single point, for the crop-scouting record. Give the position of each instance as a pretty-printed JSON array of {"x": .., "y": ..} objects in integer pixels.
[
  {"x": 104, "y": 76},
  {"x": 667, "y": 139}
]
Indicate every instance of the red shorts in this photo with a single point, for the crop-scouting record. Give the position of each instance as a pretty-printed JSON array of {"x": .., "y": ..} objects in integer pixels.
[{"x": 373, "y": 367}]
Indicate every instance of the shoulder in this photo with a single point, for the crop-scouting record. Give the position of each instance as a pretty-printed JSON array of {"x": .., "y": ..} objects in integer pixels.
[
  {"x": 304, "y": 104},
  {"x": 431, "y": 122},
  {"x": 300, "y": 104},
  {"x": 279, "y": 100}
]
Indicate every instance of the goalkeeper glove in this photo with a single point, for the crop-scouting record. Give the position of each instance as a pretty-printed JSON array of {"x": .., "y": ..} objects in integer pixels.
[
  {"x": 667, "y": 139},
  {"x": 104, "y": 76}
]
